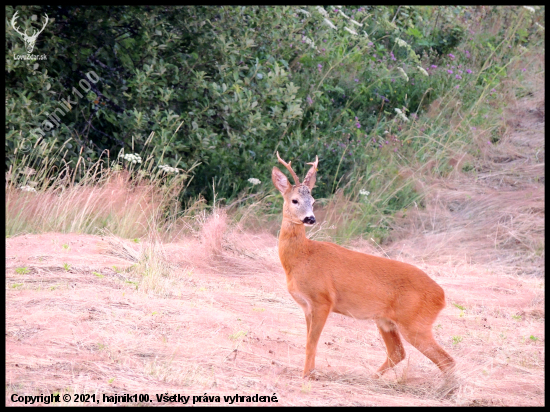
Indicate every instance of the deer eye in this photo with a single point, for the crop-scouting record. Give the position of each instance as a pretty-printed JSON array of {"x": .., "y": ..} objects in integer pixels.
[{"x": 294, "y": 201}]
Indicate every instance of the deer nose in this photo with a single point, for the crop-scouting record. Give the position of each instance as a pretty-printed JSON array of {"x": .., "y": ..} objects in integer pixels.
[{"x": 309, "y": 220}]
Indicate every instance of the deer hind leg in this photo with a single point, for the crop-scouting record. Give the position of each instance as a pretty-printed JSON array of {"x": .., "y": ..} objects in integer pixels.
[
  {"x": 424, "y": 341},
  {"x": 394, "y": 346},
  {"x": 316, "y": 318}
]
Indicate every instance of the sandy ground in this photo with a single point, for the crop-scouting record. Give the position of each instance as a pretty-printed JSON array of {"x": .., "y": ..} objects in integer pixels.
[{"x": 78, "y": 324}]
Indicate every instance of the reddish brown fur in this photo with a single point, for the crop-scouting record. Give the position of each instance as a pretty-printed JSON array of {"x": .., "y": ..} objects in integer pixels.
[{"x": 323, "y": 277}]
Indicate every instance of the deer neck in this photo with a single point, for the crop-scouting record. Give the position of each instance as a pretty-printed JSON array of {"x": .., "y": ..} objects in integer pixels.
[{"x": 292, "y": 242}]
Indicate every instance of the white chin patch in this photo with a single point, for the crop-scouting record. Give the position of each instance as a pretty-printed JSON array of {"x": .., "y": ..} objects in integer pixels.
[{"x": 308, "y": 224}]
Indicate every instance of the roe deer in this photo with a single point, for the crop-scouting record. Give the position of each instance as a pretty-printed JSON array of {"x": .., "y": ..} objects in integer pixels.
[{"x": 323, "y": 277}]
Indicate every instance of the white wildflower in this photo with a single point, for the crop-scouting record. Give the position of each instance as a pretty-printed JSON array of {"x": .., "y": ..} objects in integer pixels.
[
  {"x": 401, "y": 42},
  {"x": 254, "y": 181},
  {"x": 28, "y": 189},
  {"x": 421, "y": 70},
  {"x": 309, "y": 41},
  {"x": 342, "y": 13},
  {"x": 364, "y": 192},
  {"x": 168, "y": 169},
  {"x": 350, "y": 30},
  {"x": 539, "y": 26},
  {"x": 403, "y": 73},
  {"x": 356, "y": 22},
  {"x": 322, "y": 11},
  {"x": 332, "y": 26},
  {"x": 401, "y": 115},
  {"x": 132, "y": 158},
  {"x": 303, "y": 12},
  {"x": 531, "y": 9}
]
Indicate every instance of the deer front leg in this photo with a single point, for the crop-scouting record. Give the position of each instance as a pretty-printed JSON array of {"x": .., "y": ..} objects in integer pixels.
[{"x": 316, "y": 319}]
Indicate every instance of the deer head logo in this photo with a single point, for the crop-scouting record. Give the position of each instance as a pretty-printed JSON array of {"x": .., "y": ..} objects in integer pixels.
[{"x": 29, "y": 40}]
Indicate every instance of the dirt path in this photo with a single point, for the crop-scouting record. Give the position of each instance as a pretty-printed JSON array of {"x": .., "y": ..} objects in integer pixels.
[{"x": 76, "y": 323}]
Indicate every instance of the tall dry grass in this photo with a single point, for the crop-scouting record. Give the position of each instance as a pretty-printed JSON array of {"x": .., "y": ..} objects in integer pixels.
[{"x": 117, "y": 204}]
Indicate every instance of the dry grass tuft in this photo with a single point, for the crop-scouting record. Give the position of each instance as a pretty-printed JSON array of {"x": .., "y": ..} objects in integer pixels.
[
  {"x": 212, "y": 232},
  {"x": 117, "y": 204}
]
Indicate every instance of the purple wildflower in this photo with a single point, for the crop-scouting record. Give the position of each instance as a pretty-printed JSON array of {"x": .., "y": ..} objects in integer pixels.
[
  {"x": 358, "y": 125},
  {"x": 451, "y": 56},
  {"x": 392, "y": 56},
  {"x": 469, "y": 71},
  {"x": 523, "y": 70},
  {"x": 433, "y": 66},
  {"x": 450, "y": 71},
  {"x": 356, "y": 80},
  {"x": 458, "y": 76}
]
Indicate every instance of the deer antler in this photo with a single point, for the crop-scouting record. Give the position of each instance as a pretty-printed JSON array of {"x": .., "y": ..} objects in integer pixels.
[
  {"x": 315, "y": 163},
  {"x": 13, "y": 19},
  {"x": 309, "y": 180},
  {"x": 287, "y": 165}
]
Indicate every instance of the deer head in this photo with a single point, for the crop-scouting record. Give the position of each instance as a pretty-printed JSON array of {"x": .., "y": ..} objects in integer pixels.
[
  {"x": 298, "y": 202},
  {"x": 29, "y": 40}
]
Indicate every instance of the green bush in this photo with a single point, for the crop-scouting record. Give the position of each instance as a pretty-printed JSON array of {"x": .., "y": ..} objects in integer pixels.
[{"x": 218, "y": 90}]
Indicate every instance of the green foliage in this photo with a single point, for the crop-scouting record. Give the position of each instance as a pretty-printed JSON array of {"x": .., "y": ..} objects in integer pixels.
[{"x": 216, "y": 91}]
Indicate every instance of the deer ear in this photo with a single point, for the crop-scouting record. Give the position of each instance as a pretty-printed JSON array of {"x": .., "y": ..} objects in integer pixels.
[
  {"x": 280, "y": 181},
  {"x": 311, "y": 176}
]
